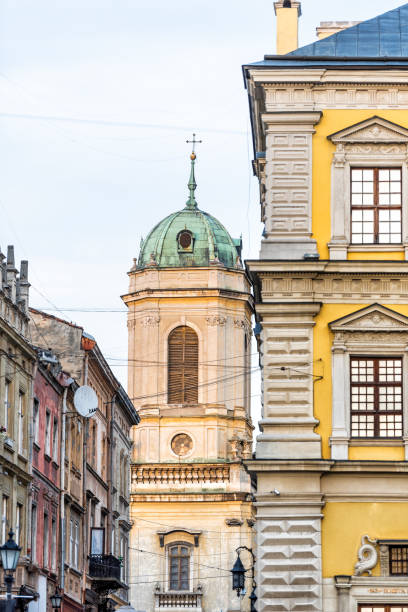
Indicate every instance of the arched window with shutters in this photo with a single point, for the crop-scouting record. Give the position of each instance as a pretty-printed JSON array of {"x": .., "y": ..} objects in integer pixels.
[{"x": 182, "y": 366}]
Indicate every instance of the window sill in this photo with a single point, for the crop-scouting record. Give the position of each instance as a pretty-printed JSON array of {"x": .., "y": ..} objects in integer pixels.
[
  {"x": 374, "y": 248},
  {"x": 36, "y": 446},
  {"x": 47, "y": 457},
  {"x": 376, "y": 442},
  {"x": 9, "y": 444},
  {"x": 22, "y": 458}
]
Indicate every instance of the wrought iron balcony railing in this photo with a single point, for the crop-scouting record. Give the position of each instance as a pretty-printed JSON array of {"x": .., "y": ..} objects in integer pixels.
[{"x": 105, "y": 570}]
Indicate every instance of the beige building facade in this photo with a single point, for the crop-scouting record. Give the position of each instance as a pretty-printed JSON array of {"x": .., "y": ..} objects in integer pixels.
[{"x": 189, "y": 319}]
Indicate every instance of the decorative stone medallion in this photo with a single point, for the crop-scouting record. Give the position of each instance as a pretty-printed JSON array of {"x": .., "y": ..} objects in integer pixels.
[{"x": 182, "y": 444}]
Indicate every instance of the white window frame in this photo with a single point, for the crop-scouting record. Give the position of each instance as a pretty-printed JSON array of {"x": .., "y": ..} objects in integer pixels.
[
  {"x": 358, "y": 335},
  {"x": 19, "y": 522},
  {"x": 4, "y": 517},
  {"x": 375, "y": 143},
  {"x": 36, "y": 420}
]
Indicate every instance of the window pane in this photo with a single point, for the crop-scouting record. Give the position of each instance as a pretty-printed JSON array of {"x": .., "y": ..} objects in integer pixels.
[
  {"x": 357, "y": 175},
  {"x": 376, "y": 397},
  {"x": 384, "y": 175}
]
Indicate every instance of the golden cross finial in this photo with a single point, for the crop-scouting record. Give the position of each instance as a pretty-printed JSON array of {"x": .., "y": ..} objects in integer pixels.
[{"x": 194, "y": 142}]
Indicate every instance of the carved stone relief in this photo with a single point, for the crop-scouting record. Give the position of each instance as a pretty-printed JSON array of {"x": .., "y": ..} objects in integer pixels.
[
  {"x": 367, "y": 556},
  {"x": 150, "y": 321},
  {"x": 214, "y": 320}
]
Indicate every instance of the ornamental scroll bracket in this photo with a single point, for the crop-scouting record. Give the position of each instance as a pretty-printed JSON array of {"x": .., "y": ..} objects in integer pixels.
[{"x": 367, "y": 556}]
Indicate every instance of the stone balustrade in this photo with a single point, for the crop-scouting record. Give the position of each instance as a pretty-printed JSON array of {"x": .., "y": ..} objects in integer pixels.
[
  {"x": 182, "y": 474},
  {"x": 179, "y": 600}
]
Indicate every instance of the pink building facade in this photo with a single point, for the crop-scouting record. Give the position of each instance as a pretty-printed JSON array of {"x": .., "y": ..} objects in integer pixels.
[{"x": 46, "y": 484}]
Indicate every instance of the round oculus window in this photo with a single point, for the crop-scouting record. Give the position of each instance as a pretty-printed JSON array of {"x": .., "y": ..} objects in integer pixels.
[
  {"x": 181, "y": 444},
  {"x": 185, "y": 240}
]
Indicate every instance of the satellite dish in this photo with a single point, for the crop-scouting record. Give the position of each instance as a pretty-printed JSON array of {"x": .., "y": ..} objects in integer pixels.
[{"x": 85, "y": 401}]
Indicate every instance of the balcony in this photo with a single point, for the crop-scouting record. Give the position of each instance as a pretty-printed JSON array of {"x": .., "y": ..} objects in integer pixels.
[
  {"x": 178, "y": 600},
  {"x": 104, "y": 570}
]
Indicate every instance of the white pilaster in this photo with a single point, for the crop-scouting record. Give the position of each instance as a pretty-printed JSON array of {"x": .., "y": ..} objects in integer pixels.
[
  {"x": 287, "y": 358},
  {"x": 288, "y": 209}
]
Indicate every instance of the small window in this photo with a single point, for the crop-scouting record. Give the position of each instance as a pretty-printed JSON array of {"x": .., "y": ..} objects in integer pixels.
[
  {"x": 36, "y": 416},
  {"x": 47, "y": 433},
  {"x": 185, "y": 241},
  {"x": 398, "y": 560},
  {"x": 376, "y": 201},
  {"x": 376, "y": 397},
  {"x": 179, "y": 567},
  {"x": 55, "y": 441},
  {"x": 21, "y": 411},
  {"x": 19, "y": 523}
]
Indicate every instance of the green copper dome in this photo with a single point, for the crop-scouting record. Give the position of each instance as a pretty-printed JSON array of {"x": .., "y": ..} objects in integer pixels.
[{"x": 189, "y": 238}]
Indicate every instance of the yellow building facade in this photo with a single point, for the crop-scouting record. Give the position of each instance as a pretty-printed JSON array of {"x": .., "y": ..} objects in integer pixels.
[
  {"x": 330, "y": 130},
  {"x": 189, "y": 320}
]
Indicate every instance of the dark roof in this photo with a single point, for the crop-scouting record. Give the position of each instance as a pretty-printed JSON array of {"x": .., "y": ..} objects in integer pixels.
[
  {"x": 383, "y": 36},
  {"x": 378, "y": 42}
]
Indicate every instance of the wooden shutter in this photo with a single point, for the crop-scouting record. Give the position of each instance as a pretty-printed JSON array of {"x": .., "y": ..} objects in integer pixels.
[{"x": 183, "y": 366}]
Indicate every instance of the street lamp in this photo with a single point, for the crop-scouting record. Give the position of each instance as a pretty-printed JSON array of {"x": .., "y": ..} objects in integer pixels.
[
  {"x": 238, "y": 576},
  {"x": 56, "y": 599},
  {"x": 10, "y": 554}
]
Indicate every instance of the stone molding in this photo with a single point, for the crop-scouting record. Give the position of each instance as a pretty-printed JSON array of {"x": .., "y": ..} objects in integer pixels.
[
  {"x": 216, "y": 320},
  {"x": 288, "y": 184},
  {"x": 287, "y": 360},
  {"x": 370, "y": 331},
  {"x": 374, "y": 130},
  {"x": 377, "y": 590},
  {"x": 342, "y": 95},
  {"x": 344, "y": 287},
  {"x": 372, "y": 142},
  {"x": 289, "y": 568},
  {"x": 150, "y": 321}
]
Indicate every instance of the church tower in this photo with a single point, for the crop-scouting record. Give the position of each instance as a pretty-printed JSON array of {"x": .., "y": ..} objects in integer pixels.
[{"x": 189, "y": 320}]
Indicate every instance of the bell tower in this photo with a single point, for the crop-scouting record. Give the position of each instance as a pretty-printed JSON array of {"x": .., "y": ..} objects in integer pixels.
[{"x": 189, "y": 321}]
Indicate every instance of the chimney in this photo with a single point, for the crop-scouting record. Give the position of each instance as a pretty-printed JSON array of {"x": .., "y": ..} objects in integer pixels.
[
  {"x": 327, "y": 28},
  {"x": 11, "y": 274},
  {"x": 287, "y": 25},
  {"x": 24, "y": 286}
]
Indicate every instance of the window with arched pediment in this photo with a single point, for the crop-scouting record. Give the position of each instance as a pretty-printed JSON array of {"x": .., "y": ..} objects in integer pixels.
[
  {"x": 179, "y": 555},
  {"x": 182, "y": 385}
]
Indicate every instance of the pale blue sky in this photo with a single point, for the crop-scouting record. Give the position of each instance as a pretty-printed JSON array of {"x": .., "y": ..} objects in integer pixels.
[{"x": 75, "y": 197}]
